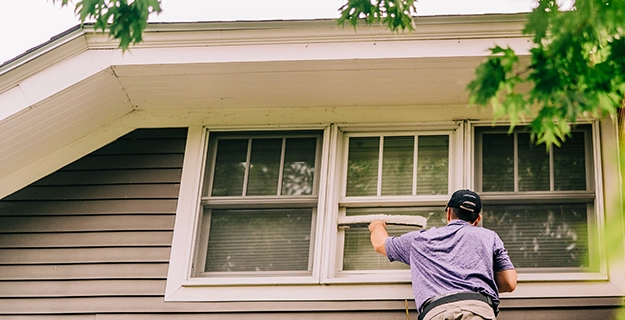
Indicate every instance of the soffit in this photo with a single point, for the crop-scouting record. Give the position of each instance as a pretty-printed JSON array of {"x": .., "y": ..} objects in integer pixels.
[
  {"x": 59, "y": 120},
  {"x": 317, "y": 83}
]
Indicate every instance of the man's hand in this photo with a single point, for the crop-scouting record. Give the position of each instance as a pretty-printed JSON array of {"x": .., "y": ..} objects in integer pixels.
[{"x": 378, "y": 236}]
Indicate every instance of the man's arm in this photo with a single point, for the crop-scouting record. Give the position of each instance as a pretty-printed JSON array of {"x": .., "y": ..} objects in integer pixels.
[
  {"x": 506, "y": 280},
  {"x": 378, "y": 236}
]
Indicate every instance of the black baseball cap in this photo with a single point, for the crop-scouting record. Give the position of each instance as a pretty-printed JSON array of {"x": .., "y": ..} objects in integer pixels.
[{"x": 466, "y": 199}]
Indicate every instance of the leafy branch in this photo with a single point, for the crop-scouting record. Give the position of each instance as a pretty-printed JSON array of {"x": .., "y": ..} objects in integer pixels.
[
  {"x": 575, "y": 70},
  {"x": 125, "y": 19},
  {"x": 395, "y": 14}
]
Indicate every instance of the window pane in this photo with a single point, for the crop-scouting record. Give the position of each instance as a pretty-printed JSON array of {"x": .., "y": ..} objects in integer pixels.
[
  {"x": 362, "y": 166},
  {"x": 397, "y": 165},
  {"x": 570, "y": 164},
  {"x": 541, "y": 236},
  {"x": 358, "y": 254},
  {"x": 433, "y": 165},
  {"x": 497, "y": 162},
  {"x": 259, "y": 240},
  {"x": 299, "y": 166},
  {"x": 533, "y": 165},
  {"x": 264, "y": 167},
  {"x": 230, "y": 166}
]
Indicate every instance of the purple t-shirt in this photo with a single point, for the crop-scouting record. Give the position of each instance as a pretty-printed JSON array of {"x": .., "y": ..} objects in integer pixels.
[{"x": 455, "y": 258}]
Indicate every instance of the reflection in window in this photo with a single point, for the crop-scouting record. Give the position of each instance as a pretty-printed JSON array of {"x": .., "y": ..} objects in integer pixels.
[
  {"x": 397, "y": 177},
  {"x": 299, "y": 166},
  {"x": 362, "y": 166},
  {"x": 230, "y": 167},
  {"x": 397, "y": 167},
  {"x": 288, "y": 163},
  {"x": 432, "y": 177},
  {"x": 512, "y": 162}
]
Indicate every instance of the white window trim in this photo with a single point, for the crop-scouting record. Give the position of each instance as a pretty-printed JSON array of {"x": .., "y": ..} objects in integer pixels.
[
  {"x": 335, "y": 239},
  {"x": 182, "y": 287}
]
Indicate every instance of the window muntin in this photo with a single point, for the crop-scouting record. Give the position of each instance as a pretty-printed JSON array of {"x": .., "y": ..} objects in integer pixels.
[
  {"x": 540, "y": 202},
  {"x": 259, "y": 205}
]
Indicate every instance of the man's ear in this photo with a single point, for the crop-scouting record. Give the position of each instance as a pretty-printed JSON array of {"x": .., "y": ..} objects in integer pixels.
[
  {"x": 479, "y": 217},
  {"x": 448, "y": 214}
]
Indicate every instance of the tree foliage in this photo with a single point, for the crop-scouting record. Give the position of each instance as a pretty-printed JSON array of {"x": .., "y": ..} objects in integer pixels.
[
  {"x": 395, "y": 14},
  {"x": 576, "y": 69},
  {"x": 576, "y": 66},
  {"x": 125, "y": 19}
]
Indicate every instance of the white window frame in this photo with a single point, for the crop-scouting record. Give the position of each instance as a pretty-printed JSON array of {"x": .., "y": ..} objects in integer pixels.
[
  {"x": 336, "y": 235},
  {"x": 264, "y": 202},
  {"x": 595, "y": 217},
  {"x": 326, "y": 286}
]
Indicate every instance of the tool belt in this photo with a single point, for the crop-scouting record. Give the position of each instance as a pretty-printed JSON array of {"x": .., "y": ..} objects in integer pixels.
[{"x": 449, "y": 298}]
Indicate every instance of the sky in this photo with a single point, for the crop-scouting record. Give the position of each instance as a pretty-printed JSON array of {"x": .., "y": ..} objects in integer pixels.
[{"x": 25, "y": 24}]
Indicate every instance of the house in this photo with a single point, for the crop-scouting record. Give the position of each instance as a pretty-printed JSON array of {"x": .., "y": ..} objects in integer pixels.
[{"x": 200, "y": 175}]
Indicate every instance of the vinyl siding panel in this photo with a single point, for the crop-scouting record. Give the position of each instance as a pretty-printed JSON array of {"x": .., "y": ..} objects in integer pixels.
[
  {"x": 92, "y": 241},
  {"x": 99, "y": 227}
]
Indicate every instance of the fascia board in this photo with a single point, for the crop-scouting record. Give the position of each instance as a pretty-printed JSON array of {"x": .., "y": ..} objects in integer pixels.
[
  {"x": 57, "y": 49},
  {"x": 164, "y": 35}
]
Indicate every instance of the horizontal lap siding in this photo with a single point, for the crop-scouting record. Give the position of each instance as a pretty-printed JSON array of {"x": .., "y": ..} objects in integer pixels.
[{"x": 99, "y": 229}]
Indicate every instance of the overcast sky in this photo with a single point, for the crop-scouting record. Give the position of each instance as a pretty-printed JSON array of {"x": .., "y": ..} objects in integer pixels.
[{"x": 27, "y": 23}]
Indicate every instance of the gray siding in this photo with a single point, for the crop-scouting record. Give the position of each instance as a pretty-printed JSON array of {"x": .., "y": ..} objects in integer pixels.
[{"x": 92, "y": 241}]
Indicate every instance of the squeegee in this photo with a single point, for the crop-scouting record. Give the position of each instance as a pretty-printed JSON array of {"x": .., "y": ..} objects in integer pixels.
[{"x": 399, "y": 220}]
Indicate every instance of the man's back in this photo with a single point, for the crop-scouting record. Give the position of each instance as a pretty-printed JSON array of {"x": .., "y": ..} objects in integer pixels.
[
  {"x": 455, "y": 258},
  {"x": 458, "y": 270}
]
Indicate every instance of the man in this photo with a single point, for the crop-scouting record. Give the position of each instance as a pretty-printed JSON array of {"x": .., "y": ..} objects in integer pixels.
[{"x": 458, "y": 270}]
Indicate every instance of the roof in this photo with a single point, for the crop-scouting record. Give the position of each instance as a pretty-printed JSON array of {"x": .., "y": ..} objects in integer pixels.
[{"x": 78, "y": 91}]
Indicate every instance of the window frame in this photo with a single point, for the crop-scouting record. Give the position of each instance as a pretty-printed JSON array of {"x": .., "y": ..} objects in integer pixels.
[
  {"x": 181, "y": 286},
  {"x": 334, "y": 274},
  {"x": 209, "y": 202},
  {"x": 592, "y": 195}
]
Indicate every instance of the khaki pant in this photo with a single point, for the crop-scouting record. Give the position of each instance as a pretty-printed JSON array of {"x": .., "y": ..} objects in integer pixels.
[{"x": 462, "y": 310}]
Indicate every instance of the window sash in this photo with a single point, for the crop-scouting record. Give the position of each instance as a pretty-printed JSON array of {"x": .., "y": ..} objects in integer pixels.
[
  {"x": 516, "y": 154},
  {"x": 368, "y": 170},
  {"x": 265, "y": 245},
  {"x": 261, "y": 160},
  {"x": 546, "y": 193},
  {"x": 295, "y": 157}
]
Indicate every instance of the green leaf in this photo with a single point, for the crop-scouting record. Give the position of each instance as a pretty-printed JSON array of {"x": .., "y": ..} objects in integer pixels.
[{"x": 397, "y": 15}]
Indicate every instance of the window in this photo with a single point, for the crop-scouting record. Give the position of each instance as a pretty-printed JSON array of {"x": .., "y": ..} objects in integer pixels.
[
  {"x": 540, "y": 202},
  {"x": 404, "y": 173},
  {"x": 257, "y": 217},
  {"x": 259, "y": 205}
]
